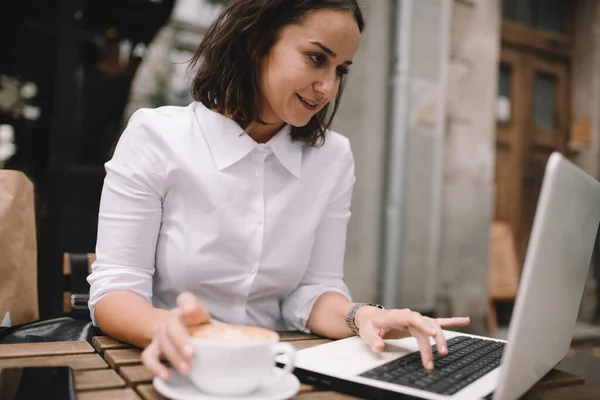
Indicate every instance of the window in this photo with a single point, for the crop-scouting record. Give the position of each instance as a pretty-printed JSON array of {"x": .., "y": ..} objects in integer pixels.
[{"x": 547, "y": 15}]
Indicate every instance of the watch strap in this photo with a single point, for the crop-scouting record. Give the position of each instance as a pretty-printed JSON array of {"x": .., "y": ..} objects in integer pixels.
[{"x": 352, "y": 313}]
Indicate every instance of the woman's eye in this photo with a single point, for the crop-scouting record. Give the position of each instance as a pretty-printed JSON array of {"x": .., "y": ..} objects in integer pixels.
[{"x": 318, "y": 59}]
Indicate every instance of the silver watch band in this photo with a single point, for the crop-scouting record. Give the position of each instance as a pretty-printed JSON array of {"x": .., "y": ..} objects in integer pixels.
[{"x": 352, "y": 313}]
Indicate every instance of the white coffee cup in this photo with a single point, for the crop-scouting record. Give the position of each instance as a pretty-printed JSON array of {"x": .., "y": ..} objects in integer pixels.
[{"x": 235, "y": 360}]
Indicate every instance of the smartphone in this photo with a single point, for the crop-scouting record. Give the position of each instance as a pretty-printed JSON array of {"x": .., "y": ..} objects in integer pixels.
[{"x": 32, "y": 383}]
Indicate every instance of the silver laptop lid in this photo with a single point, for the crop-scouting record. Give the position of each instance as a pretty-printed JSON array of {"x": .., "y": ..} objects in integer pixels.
[{"x": 554, "y": 275}]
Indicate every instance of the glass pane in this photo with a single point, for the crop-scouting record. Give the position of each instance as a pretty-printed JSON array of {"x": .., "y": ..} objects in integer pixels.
[
  {"x": 508, "y": 9},
  {"x": 504, "y": 81},
  {"x": 544, "y": 97},
  {"x": 524, "y": 8},
  {"x": 503, "y": 101},
  {"x": 550, "y": 15}
]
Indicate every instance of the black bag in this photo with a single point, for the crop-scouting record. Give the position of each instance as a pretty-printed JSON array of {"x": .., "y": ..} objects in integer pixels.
[{"x": 52, "y": 330}]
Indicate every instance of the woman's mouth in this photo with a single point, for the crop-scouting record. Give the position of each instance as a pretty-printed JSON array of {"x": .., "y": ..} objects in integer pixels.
[{"x": 310, "y": 105}]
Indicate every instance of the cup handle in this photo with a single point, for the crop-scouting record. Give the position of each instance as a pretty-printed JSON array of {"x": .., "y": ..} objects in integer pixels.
[{"x": 288, "y": 350}]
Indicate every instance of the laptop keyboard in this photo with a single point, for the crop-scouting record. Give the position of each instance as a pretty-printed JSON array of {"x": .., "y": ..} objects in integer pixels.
[{"x": 468, "y": 359}]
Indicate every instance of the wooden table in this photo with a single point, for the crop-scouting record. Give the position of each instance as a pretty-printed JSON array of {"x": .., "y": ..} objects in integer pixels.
[{"x": 109, "y": 369}]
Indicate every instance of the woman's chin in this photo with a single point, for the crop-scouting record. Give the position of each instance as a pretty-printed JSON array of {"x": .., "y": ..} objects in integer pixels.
[{"x": 299, "y": 122}]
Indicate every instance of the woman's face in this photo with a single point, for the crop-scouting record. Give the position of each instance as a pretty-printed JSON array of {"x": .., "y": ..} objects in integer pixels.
[{"x": 303, "y": 70}]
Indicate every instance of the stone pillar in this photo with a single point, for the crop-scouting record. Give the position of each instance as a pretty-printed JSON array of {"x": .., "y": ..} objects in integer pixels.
[
  {"x": 469, "y": 160},
  {"x": 585, "y": 104}
]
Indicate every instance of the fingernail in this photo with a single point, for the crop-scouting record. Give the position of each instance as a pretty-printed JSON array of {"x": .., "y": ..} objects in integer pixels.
[
  {"x": 184, "y": 367},
  {"x": 188, "y": 349},
  {"x": 430, "y": 365},
  {"x": 443, "y": 349}
]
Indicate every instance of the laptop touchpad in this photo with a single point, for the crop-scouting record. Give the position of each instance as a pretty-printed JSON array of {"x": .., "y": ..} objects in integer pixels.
[{"x": 351, "y": 356}]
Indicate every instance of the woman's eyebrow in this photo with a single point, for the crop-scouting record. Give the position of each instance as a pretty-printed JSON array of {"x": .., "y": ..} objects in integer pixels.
[{"x": 329, "y": 51}]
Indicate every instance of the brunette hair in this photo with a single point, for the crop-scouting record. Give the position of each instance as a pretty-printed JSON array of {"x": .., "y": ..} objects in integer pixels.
[{"x": 228, "y": 60}]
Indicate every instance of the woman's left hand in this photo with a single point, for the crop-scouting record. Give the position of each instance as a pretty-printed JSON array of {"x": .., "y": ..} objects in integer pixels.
[{"x": 375, "y": 325}]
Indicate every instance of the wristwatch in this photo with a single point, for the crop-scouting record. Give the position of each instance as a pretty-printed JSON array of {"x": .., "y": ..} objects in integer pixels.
[{"x": 351, "y": 314}]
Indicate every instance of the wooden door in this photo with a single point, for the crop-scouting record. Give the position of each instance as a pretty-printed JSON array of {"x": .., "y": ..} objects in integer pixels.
[
  {"x": 510, "y": 139},
  {"x": 547, "y": 131},
  {"x": 533, "y": 120}
]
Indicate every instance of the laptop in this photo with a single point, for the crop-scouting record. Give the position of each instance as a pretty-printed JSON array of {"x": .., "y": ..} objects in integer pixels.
[{"x": 541, "y": 328}]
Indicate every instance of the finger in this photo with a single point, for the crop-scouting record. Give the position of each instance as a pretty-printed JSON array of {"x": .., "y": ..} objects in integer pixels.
[
  {"x": 369, "y": 334},
  {"x": 419, "y": 322},
  {"x": 403, "y": 320},
  {"x": 451, "y": 322},
  {"x": 169, "y": 351},
  {"x": 178, "y": 334},
  {"x": 422, "y": 330},
  {"x": 440, "y": 339},
  {"x": 150, "y": 359},
  {"x": 193, "y": 313},
  {"x": 424, "y": 348}
]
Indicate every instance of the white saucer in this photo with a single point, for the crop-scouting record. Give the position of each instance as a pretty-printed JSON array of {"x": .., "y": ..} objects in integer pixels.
[{"x": 179, "y": 387}]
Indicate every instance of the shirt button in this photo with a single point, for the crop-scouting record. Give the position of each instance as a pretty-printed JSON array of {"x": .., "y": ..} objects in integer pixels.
[
  {"x": 253, "y": 270},
  {"x": 257, "y": 174}
]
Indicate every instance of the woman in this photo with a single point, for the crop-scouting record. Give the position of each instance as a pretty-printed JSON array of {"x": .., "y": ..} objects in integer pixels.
[{"x": 236, "y": 206}]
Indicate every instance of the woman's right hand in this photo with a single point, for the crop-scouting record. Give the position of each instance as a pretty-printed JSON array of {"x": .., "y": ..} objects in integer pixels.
[{"x": 172, "y": 340}]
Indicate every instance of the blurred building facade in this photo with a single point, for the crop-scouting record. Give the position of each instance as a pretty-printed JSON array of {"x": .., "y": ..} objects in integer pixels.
[{"x": 520, "y": 79}]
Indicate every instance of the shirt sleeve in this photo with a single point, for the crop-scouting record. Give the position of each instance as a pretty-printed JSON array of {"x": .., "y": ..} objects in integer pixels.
[
  {"x": 325, "y": 271},
  {"x": 130, "y": 214}
]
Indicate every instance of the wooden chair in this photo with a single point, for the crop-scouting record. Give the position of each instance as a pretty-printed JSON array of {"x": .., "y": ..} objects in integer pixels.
[
  {"x": 504, "y": 270},
  {"x": 76, "y": 268}
]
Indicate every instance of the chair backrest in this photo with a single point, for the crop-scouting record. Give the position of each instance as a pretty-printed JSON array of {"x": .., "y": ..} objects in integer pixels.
[
  {"x": 504, "y": 270},
  {"x": 18, "y": 250},
  {"x": 76, "y": 268}
]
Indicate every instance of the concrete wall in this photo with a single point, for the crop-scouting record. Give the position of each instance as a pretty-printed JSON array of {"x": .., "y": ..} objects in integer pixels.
[
  {"x": 586, "y": 106},
  {"x": 469, "y": 160},
  {"x": 362, "y": 118},
  {"x": 425, "y": 133},
  {"x": 468, "y": 191},
  {"x": 586, "y": 80}
]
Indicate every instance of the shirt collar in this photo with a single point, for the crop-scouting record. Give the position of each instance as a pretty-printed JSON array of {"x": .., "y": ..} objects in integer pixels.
[
  {"x": 288, "y": 152},
  {"x": 229, "y": 143}
]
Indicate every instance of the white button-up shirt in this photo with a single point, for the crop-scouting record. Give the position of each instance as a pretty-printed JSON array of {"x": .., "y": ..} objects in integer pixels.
[{"x": 256, "y": 232}]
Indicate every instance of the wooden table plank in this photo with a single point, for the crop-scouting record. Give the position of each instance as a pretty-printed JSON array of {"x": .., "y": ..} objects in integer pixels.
[
  {"x": 77, "y": 362},
  {"x": 122, "y": 357},
  {"x": 103, "y": 343},
  {"x": 587, "y": 392},
  {"x": 135, "y": 374},
  {"x": 46, "y": 348},
  {"x": 558, "y": 379},
  {"x": 98, "y": 379},
  {"x": 113, "y": 394},
  {"x": 147, "y": 392},
  {"x": 324, "y": 396},
  {"x": 128, "y": 362},
  {"x": 304, "y": 388}
]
